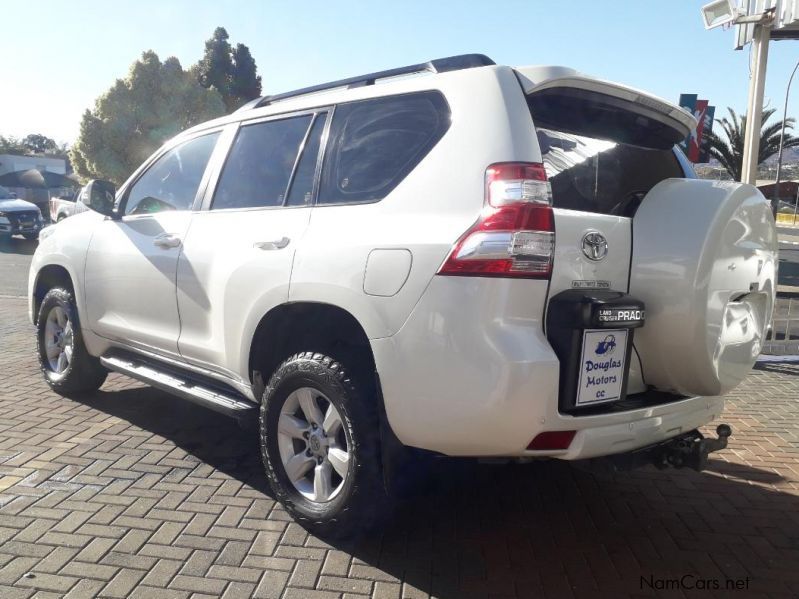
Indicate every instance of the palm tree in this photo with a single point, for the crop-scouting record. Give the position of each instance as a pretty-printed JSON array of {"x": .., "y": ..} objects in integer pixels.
[{"x": 730, "y": 151}]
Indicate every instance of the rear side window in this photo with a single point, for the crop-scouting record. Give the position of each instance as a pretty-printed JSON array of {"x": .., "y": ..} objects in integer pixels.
[
  {"x": 301, "y": 193},
  {"x": 374, "y": 144},
  {"x": 259, "y": 165},
  {"x": 598, "y": 175}
]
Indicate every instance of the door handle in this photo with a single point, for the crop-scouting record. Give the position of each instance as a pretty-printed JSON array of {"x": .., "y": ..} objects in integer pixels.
[
  {"x": 166, "y": 241},
  {"x": 277, "y": 244}
]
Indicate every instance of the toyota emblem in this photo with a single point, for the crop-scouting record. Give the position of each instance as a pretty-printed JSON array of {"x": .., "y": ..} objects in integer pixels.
[{"x": 595, "y": 246}]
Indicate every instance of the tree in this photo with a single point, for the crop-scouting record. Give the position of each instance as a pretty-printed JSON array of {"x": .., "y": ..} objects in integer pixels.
[
  {"x": 36, "y": 143},
  {"x": 11, "y": 145},
  {"x": 231, "y": 72},
  {"x": 137, "y": 115},
  {"x": 729, "y": 151}
]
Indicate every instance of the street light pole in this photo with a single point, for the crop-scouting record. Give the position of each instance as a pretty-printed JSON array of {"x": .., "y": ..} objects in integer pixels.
[
  {"x": 754, "y": 111},
  {"x": 776, "y": 200}
]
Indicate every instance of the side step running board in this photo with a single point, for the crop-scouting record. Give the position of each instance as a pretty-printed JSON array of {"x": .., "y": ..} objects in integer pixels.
[{"x": 182, "y": 387}]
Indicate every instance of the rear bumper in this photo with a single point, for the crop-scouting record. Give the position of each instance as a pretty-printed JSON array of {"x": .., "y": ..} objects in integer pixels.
[
  {"x": 637, "y": 428},
  {"x": 471, "y": 374}
]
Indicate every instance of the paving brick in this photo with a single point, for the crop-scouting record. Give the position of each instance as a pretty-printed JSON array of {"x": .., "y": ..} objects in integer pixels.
[
  {"x": 48, "y": 582},
  {"x": 198, "y": 584},
  {"x": 134, "y": 493},
  {"x": 272, "y": 585},
  {"x": 386, "y": 590},
  {"x": 85, "y": 589},
  {"x": 161, "y": 573},
  {"x": 199, "y": 563},
  {"x": 239, "y": 590},
  {"x": 339, "y": 583},
  {"x": 85, "y": 570},
  {"x": 231, "y": 573},
  {"x": 123, "y": 583}
]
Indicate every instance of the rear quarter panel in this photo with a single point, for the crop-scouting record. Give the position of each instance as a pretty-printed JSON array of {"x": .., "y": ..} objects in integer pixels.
[{"x": 427, "y": 212}]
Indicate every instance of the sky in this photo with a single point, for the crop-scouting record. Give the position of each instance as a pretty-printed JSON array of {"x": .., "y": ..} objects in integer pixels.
[{"x": 56, "y": 57}]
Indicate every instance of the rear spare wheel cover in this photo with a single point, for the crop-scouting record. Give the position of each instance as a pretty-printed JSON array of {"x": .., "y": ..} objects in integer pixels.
[{"x": 704, "y": 262}]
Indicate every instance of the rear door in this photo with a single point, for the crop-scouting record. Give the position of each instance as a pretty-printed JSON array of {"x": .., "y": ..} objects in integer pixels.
[
  {"x": 238, "y": 254},
  {"x": 604, "y": 147}
]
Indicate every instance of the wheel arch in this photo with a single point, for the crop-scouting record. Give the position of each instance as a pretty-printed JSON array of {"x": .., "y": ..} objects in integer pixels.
[
  {"x": 49, "y": 276},
  {"x": 305, "y": 326}
]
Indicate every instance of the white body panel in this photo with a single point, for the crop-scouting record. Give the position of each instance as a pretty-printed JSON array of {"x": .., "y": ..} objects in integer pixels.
[
  {"x": 572, "y": 265},
  {"x": 426, "y": 212},
  {"x": 472, "y": 374},
  {"x": 233, "y": 269},
  {"x": 130, "y": 281},
  {"x": 464, "y": 362}
]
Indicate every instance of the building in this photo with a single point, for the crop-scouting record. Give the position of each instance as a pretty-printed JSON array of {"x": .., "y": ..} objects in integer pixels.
[
  {"x": 788, "y": 190},
  {"x": 10, "y": 163}
]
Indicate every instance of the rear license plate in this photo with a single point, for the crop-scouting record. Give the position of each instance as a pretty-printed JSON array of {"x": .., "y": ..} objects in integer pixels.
[{"x": 602, "y": 366}]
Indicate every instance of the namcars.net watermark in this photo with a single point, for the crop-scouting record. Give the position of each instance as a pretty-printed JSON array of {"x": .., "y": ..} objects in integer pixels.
[{"x": 692, "y": 582}]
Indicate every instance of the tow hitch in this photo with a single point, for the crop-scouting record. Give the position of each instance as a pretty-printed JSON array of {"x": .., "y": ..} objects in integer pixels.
[{"x": 689, "y": 450}]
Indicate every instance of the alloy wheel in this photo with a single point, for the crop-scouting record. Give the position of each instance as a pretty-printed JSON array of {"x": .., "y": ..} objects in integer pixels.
[{"x": 313, "y": 445}]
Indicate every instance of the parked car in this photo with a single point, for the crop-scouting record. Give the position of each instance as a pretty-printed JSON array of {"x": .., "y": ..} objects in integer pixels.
[
  {"x": 465, "y": 260},
  {"x": 62, "y": 207},
  {"x": 18, "y": 217}
]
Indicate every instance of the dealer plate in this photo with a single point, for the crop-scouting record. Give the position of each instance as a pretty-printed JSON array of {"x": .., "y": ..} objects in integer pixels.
[{"x": 601, "y": 366}]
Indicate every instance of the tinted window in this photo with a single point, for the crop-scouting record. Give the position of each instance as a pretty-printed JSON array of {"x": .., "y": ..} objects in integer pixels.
[
  {"x": 301, "y": 192},
  {"x": 374, "y": 144},
  {"x": 594, "y": 114},
  {"x": 597, "y": 175},
  {"x": 259, "y": 166},
  {"x": 171, "y": 183}
]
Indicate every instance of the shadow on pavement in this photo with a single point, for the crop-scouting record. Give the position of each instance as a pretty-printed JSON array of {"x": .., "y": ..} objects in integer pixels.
[
  {"x": 18, "y": 245},
  {"x": 543, "y": 528}
]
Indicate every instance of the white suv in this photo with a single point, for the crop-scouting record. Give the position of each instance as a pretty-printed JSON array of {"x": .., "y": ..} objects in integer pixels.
[{"x": 458, "y": 257}]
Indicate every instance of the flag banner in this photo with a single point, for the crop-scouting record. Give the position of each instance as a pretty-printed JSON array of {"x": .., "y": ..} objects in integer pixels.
[{"x": 704, "y": 148}]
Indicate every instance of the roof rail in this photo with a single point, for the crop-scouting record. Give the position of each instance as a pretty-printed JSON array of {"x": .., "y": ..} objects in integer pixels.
[{"x": 439, "y": 65}]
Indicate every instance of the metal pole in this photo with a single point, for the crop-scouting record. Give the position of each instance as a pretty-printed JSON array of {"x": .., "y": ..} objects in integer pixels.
[
  {"x": 754, "y": 111},
  {"x": 776, "y": 200}
]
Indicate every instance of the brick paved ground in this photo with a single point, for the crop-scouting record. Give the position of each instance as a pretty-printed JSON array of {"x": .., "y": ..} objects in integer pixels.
[{"x": 132, "y": 493}]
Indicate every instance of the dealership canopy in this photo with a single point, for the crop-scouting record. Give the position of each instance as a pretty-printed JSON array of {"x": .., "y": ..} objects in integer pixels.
[{"x": 36, "y": 179}]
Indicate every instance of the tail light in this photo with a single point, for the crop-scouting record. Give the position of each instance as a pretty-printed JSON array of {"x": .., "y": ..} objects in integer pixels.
[{"x": 515, "y": 233}]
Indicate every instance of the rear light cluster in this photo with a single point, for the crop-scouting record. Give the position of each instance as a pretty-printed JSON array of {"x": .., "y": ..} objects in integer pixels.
[{"x": 515, "y": 233}]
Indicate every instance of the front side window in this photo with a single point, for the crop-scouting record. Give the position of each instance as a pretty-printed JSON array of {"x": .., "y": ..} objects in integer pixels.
[
  {"x": 260, "y": 163},
  {"x": 374, "y": 144},
  {"x": 172, "y": 181}
]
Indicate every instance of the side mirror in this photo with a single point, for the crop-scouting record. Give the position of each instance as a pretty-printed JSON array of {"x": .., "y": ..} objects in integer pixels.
[{"x": 99, "y": 195}]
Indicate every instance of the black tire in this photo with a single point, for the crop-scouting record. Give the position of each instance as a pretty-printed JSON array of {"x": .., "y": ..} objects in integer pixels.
[
  {"x": 84, "y": 373},
  {"x": 354, "y": 505}
]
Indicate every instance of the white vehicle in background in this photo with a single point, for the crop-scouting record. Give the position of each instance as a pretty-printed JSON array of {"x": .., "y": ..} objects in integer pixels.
[
  {"x": 62, "y": 207},
  {"x": 468, "y": 259}
]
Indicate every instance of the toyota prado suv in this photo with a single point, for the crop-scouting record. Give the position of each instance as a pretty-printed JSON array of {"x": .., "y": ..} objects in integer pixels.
[{"x": 456, "y": 257}]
